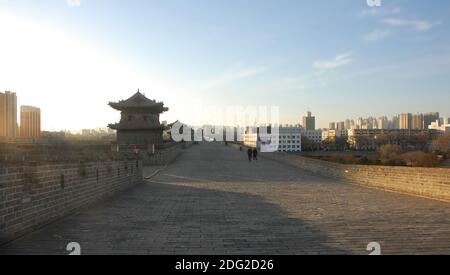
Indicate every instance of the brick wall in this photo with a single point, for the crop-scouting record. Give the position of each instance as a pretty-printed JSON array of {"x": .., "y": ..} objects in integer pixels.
[
  {"x": 34, "y": 195},
  {"x": 426, "y": 182},
  {"x": 166, "y": 156}
]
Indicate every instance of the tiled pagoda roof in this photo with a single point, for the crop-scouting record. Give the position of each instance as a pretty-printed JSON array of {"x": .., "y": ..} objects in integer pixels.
[{"x": 139, "y": 101}]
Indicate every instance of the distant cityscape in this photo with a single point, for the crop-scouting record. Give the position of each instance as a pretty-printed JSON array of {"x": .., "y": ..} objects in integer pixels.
[
  {"x": 362, "y": 134},
  {"x": 30, "y": 118},
  {"x": 29, "y": 129},
  {"x": 417, "y": 121},
  {"x": 292, "y": 138}
]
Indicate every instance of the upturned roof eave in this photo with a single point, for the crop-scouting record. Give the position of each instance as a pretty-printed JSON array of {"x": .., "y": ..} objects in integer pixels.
[
  {"x": 122, "y": 128},
  {"x": 120, "y": 107}
]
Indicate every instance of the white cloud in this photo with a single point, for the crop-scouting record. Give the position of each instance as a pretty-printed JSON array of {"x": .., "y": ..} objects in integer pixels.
[
  {"x": 377, "y": 35},
  {"x": 377, "y": 11},
  {"x": 232, "y": 76},
  {"x": 338, "y": 61},
  {"x": 73, "y": 3},
  {"x": 418, "y": 25}
]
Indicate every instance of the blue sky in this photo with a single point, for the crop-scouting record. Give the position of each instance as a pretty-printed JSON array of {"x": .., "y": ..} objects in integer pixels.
[{"x": 341, "y": 59}]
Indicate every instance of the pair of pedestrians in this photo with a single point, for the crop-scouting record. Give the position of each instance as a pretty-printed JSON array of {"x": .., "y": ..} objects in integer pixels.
[{"x": 252, "y": 154}]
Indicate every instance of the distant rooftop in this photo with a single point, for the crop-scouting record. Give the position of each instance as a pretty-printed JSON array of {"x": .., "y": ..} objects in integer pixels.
[
  {"x": 27, "y": 108},
  {"x": 139, "y": 101}
]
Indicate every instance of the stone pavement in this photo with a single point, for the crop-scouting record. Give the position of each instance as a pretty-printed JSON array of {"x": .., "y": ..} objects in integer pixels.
[{"x": 213, "y": 201}]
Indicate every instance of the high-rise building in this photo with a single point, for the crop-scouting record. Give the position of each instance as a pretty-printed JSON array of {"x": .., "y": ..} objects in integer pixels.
[
  {"x": 429, "y": 118},
  {"x": 332, "y": 126},
  {"x": 340, "y": 126},
  {"x": 359, "y": 123},
  {"x": 417, "y": 122},
  {"x": 349, "y": 124},
  {"x": 406, "y": 121},
  {"x": 309, "y": 122},
  {"x": 2, "y": 115},
  {"x": 382, "y": 123},
  {"x": 30, "y": 122},
  {"x": 371, "y": 123},
  {"x": 395, "y": 124},
  {"x": 8, "y": 114}
]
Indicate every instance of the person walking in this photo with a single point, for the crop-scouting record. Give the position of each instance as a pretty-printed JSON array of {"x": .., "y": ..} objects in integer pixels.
[
  {"x": 255, "y": 154},
  {"x": 250, "y": 154}
]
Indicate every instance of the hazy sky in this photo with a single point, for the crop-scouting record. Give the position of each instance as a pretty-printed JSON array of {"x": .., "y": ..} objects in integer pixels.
[{"x": 341, "y": 59}]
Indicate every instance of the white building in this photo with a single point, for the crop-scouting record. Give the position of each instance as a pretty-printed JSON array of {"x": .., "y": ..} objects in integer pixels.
[
  {"x": 437, "y": 126},
  {"x": 331, "y": 135},
  {"x": 314, "y": 136},
  {"x": 290, "y": 139}
]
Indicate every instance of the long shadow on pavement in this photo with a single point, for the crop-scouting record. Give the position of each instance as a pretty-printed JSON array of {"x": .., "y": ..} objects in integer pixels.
[{"x": 156, "y": 218}]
